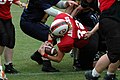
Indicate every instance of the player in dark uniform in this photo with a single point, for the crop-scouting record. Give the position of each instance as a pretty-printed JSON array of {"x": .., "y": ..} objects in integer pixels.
[
  {"x": 88, "y": 17},
  {"x": 109, "y": 28},
  {"x": 33, "y": 24}
]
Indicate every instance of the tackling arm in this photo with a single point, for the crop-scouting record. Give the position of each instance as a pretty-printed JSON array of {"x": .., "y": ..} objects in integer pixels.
[
  {"x": 52, "y": 11},
  {"x": 95, "y": 28},
  {"x": 76, "y": 10},
  {"x": 89, "y": 33},
  {"x": 61, "y": 4}
]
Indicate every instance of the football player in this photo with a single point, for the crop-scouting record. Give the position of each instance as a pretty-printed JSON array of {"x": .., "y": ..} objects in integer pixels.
[
  {"x": 69, "y": 34},
  {"x": 88, "y": 17},
  {"x": 33, "y": 24},
  {"x": 109, "y": 28},
  {"x": 7, "y": 35}
]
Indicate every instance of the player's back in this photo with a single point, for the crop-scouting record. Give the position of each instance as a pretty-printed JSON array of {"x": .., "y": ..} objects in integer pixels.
[{"x": 35, "y": 10}]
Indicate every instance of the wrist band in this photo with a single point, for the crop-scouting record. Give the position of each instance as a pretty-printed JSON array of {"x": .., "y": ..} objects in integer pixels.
[
  {"x": 50, "y": 41},
  {"x": 45, "y": 55}
]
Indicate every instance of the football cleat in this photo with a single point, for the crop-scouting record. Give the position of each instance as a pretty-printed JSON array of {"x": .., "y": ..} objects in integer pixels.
[
  {"x": 110, "y": 77},
  {"x": 10, "y": 69},
  {"x": 76, "y": 65},
  {"x": 47, "y": 67},
  {"x": 88, "y": 76}
]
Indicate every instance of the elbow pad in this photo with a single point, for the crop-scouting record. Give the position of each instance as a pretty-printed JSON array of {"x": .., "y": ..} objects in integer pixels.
[
  {"x": 61, "y": 4},
  {"x": 53, "y": 12}
]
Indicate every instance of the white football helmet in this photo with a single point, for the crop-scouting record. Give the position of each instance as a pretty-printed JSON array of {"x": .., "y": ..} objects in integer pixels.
[{"x": 59, "y": 27}]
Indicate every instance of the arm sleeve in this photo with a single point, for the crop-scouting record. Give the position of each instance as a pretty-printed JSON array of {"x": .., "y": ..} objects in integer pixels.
[
  {"x": 61, "y": 4},
  {"x": 53, "y": 12}
]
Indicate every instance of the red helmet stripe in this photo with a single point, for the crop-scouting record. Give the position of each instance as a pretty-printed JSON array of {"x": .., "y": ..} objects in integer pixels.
[{"x": 57, "y": 25}]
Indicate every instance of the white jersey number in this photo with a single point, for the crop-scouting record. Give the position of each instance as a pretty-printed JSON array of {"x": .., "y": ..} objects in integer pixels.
[
  {"x": 80, "y": 33},
  {"x": 4, "y": 1}
]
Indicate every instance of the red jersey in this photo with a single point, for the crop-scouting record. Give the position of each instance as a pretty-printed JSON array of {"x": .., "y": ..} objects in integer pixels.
[
  {"x": 74, "y": 37},
  {"x": 5, "y": 8},
  {"x": 105, "y": 4}
]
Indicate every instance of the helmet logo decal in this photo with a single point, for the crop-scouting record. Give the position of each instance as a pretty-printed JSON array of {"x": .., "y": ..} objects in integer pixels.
[{"x": 62, "y": 31}]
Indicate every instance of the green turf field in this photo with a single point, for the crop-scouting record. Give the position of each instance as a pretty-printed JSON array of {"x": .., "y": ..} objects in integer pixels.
[{"x": 29, "y": 70}]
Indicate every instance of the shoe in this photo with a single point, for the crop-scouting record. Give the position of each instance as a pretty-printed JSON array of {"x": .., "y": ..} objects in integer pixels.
[
  {"x": 47, "y": 67},
  {"x": 76, "y": 68},
  {"x": 37, "y": 58},
  {"x": 9, "y": 69},
  {"x": 3, "y": 76},
  {"x": 110, "y": 77},
  {"x": 88, "y": 76},
  {"x": 71, "y": 53},
  {"x": 76, "y": 65}
]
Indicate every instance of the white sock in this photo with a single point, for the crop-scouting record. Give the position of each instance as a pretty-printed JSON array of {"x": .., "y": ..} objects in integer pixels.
[
  {"x": 0, "y": 68},
  {"x": 7, "y": 63},
  {"x": 0, "y": 71},
  {"x": 109, "y": 73},
  {"x": 95, "y": 73}
]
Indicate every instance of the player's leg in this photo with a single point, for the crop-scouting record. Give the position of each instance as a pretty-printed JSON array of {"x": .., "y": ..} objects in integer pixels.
[
  {"x": 2, "y": 43},
  {"x": 76, "y": 63},
  {"x": 113, "y": 44},
  {"x": 10, "y": 43},
  {"x": 111, "y": 71},
  {"x": 37, "y": 57},
  {"x": 113, "y": 55},
  {"x": 8, "y": 54},
  {"x": 47, "y": 66},
  {"x": 37, "y": 31},
  {"x": 40, "y": 32},
  {"x": 100, "y": 66},
  {"x": 86, "y": 54},
  {"x": 1, "y": 68},
  {"x": 102, "y": 49},
  {"x": 86, "y": 57},
  {"x": 102, "y": 63}
]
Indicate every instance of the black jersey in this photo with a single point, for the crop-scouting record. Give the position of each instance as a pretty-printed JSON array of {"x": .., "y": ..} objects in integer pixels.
[{"x": 35, "y": 10}]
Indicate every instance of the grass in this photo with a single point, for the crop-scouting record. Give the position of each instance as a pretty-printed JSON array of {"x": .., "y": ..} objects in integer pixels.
[{"x": 29, "y": 70}]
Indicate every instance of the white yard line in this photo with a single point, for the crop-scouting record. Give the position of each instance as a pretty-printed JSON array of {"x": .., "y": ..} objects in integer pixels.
[
  {"x": 43, "y": 73},
  {"x": 16, "y": 11}
]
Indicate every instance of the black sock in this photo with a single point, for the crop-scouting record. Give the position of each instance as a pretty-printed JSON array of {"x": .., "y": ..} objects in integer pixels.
[{"x": 37, "y": 54}]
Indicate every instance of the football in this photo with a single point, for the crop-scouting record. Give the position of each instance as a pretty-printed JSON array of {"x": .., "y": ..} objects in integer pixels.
[{"x": 50, "y": 50}]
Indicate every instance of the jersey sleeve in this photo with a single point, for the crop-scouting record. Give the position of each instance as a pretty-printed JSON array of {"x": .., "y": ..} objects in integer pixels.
[{"x": 66, "y": 44}]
